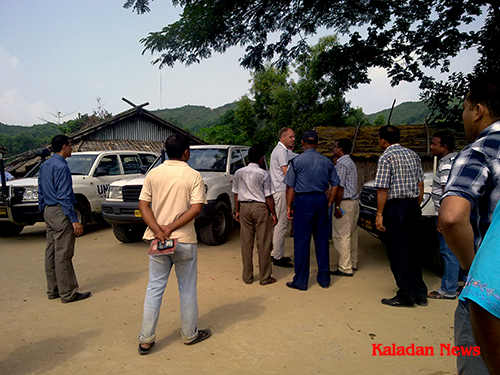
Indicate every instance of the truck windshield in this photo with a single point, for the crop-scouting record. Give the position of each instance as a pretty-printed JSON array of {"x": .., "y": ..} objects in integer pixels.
[
  {"x": 81, "y": 164},
  {"x": 204, "y": 160}
]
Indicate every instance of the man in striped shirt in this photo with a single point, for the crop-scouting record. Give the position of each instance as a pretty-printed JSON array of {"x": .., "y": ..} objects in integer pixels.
[{"x": 400, "y": 189}]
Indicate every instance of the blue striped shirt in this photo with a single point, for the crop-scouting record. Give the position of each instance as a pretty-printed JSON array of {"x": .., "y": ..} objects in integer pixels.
[
  {"x": 399, "y": 169},
  {"x": 348, "y": 174},
  {"x": 475, "y": 176}
]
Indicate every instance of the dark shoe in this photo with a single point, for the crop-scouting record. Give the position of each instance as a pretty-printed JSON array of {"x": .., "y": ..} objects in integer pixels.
[
  {"x": 340, "y": 273},
  {"x": 144, "y": 351},
  {"x": 203, "y": 334},
  {"x": 271, "y": 280},
  {"x": 54, "y": 296},
  {"x": 325, "y": 286},
  {"x": 421, "y": 302},
  {"x": 249, "y": 282},
  {"x": 283, "y": 262},
  {"x": 396, "y": 302},
  {"x": 355, "y": 269},
  {"x": 293, "y": 286},
  {"x": 78, "y": 297}
]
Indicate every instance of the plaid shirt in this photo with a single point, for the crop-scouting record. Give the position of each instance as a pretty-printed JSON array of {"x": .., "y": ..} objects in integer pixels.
[
  {"x": 399, "y": 169},
  {"x": 348, "y": 174},
  {"x": 475, "y": 176}
]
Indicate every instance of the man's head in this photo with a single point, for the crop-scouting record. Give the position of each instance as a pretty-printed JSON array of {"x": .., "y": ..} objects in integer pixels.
[
  {"x": 177, "y": 147},
  {"x": 287, "y": 137},
  {"x": 388, "y": 135},
  {"x": 342, "y": 147},
  {"x": 482, "y": 105},
  {"x": 309, "y": 139},
  {"x": 442, "y": 144},
  {"x": 62, "y": 145},
  {"x": 256, "y": 155}
]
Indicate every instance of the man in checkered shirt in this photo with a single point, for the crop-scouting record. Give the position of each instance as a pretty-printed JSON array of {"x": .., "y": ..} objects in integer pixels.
[{"x": 400, "y": 189}]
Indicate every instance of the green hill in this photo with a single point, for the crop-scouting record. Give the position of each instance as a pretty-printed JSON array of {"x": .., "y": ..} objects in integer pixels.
[
  {"x": 193, "y": 117},
  {"x": 406, "y": 113}
]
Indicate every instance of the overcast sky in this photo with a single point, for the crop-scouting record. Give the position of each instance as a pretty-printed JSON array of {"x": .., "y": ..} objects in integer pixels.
[{"x": 60, "y": 55}]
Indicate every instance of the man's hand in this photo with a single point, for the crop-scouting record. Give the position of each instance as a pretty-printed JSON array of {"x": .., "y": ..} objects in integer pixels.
[
  {"x": 338, "y": 213},
  {"x": 167, "y": 231},
  {"x": 289, "y": 213},
  {"x": 274, "y": 219},
  {"x": 77, "y": 229},
  {"x": 237, "y": 217},
  {"x": 379, "y": 223}
]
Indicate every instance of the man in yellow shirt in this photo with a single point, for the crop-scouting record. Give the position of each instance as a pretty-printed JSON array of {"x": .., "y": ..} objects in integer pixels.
[{"x": 171, "y": 198}]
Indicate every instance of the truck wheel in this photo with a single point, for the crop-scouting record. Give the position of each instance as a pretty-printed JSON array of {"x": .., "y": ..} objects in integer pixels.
[
  {"x": 127, "y": 233},
  {"x": 81, "y": 213},
  {"x": 8, "y": 229},
  {"x": 216, "y": 232}
]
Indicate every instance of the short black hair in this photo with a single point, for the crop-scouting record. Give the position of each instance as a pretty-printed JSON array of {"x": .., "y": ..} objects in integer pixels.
[
  {"x": 255, "y": 153},
  {"x": 175, "y": 145},
  {"x": 390, "y": 133},
  {"x": 345, "y": 144},
  {"x": 447, "y": 139},
  {"x": 486, "y": 89},
  {"x": 58, "y": 142}
]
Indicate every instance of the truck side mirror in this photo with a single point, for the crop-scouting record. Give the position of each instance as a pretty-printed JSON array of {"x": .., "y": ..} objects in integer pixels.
[{"x": 101, "y": 171}]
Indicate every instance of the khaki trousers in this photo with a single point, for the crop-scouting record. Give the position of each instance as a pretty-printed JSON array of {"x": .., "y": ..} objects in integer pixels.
[
  {"x": 61, "y": 278},
  {"x": 345, "y": 235},
  {"x": 256, "y": 226}
]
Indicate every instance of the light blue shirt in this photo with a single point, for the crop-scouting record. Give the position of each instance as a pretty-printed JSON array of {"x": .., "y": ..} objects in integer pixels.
[
  {"x": 55, "y": 186},
  {"x": 348, "y": 174}
]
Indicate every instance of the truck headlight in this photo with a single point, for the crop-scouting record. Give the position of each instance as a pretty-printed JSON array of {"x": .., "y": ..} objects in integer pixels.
[
  {"x": 115, "y": 192},
  {"x": 30, "y": 193}
]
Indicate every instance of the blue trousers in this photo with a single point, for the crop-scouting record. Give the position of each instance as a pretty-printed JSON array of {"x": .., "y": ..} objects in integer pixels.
[{"x": 311, "y": 219}]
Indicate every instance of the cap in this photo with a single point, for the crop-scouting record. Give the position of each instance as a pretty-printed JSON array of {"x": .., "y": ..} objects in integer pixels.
[{"x": 310, "y": 136}]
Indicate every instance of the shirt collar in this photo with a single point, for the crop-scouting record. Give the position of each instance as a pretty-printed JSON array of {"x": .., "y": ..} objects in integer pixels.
[
  {"x": 495, "y": 127},
  {"x": 282, "y": 145}
]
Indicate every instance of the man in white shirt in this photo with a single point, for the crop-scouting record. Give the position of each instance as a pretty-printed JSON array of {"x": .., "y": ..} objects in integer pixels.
[
  {"x": 280, "y": 157},
  {"x": 253, "y": 196}
]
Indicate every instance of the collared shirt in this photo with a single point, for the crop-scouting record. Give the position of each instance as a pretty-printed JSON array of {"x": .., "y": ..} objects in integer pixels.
[
  {"x": 55, "y": 186},
  {"x": 172, "y": 188},
  {"x": 252, "y": 183},
  {"x": 441, "y": 177},
  {"x": 311, "y": 172},
  {"x": 399, "y": 169},
  {"x": 348, "y": 174},
  {"x": 475, "y": 176},
  {"x": 279, "y": 158}
]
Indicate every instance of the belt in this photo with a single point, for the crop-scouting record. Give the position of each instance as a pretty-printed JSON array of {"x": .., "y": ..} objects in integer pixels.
[
  {"x": 251, "y": 202},
  {"x": 311, "y": 192}
]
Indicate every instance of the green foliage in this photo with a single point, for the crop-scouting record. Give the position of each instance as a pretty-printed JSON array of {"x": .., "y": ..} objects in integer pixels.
[
  {"x": 379, "y": 120},
  {"x": 225, "y": 131},
  {"x": 409, "y": 38},
  {"x": 18, "y": 139},
  {"x": 406, "y": 113}
]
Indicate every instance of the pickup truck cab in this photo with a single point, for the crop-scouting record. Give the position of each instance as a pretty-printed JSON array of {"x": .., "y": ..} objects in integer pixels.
[
  {"x": 91, "y": 172},
  {"x": 217, "y": 165}
]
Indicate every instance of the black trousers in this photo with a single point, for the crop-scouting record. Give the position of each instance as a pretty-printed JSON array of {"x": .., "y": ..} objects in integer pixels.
[{"x": 402, "y": 220}]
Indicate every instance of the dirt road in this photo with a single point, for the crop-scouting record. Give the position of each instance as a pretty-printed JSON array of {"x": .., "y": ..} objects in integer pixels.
[{"x": 256, "y": 329}]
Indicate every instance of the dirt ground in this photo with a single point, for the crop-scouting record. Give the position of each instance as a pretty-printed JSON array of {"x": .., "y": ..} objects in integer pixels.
[{"x": 256, "y": 329}]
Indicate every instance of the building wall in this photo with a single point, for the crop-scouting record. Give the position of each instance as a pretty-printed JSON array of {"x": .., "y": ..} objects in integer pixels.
[{"x": 137, "y": 129}]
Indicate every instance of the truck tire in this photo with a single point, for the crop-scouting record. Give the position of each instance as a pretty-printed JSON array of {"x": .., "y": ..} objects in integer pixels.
[
  {"x": 8, "y": 229},
  {"x": 128, "y": 233},
  {"x": 216, "y": 232},
  {"x": 81, "y": 213}
]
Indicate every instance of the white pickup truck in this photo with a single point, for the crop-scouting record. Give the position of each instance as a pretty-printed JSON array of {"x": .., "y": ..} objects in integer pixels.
[
  {"x": 92, "y": 172},
  {"x": 217, "y": 165}
]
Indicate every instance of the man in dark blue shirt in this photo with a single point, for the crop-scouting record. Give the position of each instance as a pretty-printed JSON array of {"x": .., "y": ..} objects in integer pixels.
[
  {"x": 56, "y": 199},
  {"x": 308, "y": 177}
]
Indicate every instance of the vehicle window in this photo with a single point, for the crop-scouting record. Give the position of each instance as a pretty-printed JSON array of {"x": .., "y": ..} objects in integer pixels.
[
  {"x": 244, "y": 153},
  {"x": 147, "y": 159},
  {"x": 208, "y": 159},
  {"x": 110, "y": 163},
  {"x": 131, "y": 164},
  {"x": 80, "y": 164},
  {"x": 236, "y": 161}
]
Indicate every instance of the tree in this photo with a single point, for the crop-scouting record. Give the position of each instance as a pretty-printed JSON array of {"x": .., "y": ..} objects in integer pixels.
[{"x": 403, "y": 36}]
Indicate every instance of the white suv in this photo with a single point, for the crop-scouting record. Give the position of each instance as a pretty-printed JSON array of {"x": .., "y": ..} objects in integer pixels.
[
  {"x": 217, "y": 165},
  {"x": 92, "y": 172}
]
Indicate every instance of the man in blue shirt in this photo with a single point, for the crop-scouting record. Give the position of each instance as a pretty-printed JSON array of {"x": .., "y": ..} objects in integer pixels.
[
  {"x": 56, "y": 199},
  {"x": 308, "y": 177}
]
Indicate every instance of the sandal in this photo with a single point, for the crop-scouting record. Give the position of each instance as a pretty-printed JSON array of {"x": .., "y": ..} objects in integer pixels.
[
  {"x": 203, "y": 334},
  {"x": 144, "y": 351},
  {"x": 436, "y": 295}
]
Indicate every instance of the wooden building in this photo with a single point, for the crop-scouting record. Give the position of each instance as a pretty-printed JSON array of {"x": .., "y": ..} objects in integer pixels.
[{"x": 135, "y": 129}]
